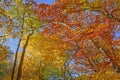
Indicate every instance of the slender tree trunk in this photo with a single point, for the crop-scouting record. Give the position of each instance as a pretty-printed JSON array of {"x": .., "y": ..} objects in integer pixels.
[
  {"x": 39, "y": 73},
  {"x": 70, "y": 75},
  {"x": 14, "y": 64},
  {"x": 67, "y": 69},
  {"x": 63, "y": 72},
  {"x": 22, "y": 57}
]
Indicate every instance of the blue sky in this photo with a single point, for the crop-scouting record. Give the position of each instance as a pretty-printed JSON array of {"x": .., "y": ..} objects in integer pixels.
[
  {"x": 45, "y": 1},
  {"x": 12, "y": 43}
]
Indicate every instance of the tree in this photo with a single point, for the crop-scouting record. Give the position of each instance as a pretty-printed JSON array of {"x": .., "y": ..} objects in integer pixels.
[
  {"x": 20, "y": 16},
  {"x": 5, "y": 62},
  {"x": 90, "y": 26}
]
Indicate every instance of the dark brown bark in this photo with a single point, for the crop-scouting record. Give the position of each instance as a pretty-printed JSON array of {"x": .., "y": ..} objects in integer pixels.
[
  {"x": 22, "y": 58},
  {"x": 14, "y": 64}
]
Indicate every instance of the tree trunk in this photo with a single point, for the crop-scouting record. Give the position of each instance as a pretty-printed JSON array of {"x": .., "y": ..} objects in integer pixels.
[
  {"x": 63, "y": 72},
  {"x": 22, "y": 58},
  {"x": 14, "y": 64}
]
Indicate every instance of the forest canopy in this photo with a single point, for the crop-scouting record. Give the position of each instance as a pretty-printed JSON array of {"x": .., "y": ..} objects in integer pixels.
[{"x": 65, "y": 40}]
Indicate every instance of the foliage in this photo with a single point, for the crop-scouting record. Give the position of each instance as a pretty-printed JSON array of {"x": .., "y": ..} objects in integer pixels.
[
  {"x": 45, "y": 53},
  {"x": 70, "y": 39},
  {"x": 5, "y": 62},
  {"x": 91, "y": 30}
]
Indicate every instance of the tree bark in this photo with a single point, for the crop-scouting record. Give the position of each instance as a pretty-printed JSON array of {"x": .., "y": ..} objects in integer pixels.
[
  {"x": 14, "y": 64},
  {"x": 22, "y": 57}
]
